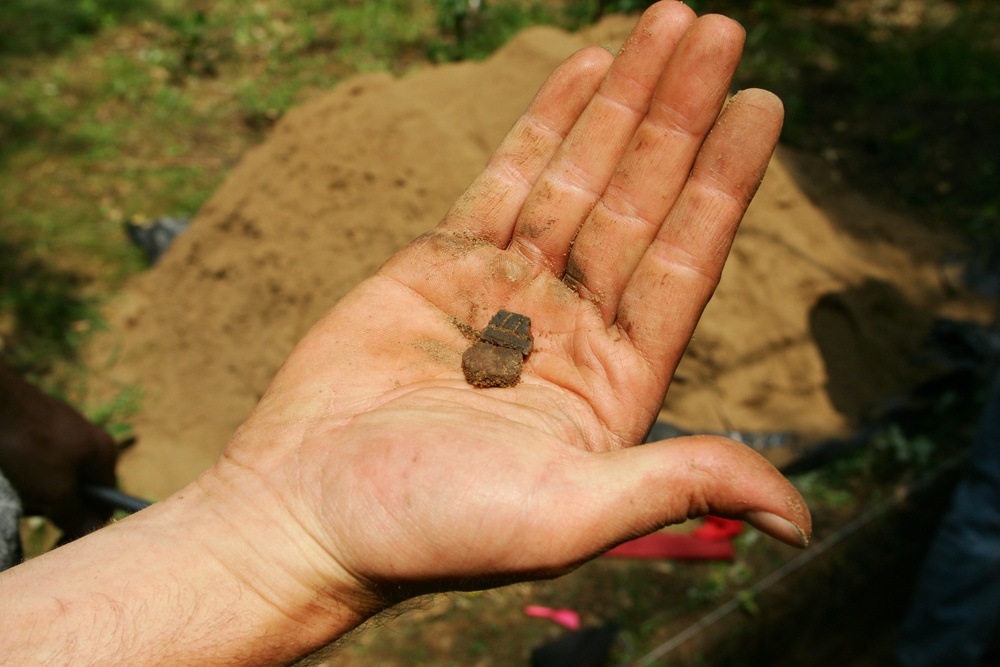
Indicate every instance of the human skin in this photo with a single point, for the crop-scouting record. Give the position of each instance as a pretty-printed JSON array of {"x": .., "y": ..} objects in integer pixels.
[{"x": 371, "y": 472}]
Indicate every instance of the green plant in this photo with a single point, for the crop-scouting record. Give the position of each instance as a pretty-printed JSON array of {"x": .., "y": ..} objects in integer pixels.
[
  {"x": 720, "y": 580},
  {"x": 196, "y": 54},
  {"x": 264, "y": 102},
  {"x": 471, "y": 30},
  {"x": 371, "y": 35},
  {"x": 827, "y": 488},
  {"x": 28, "y": 26},
  {"x": 893, "y": 448}
]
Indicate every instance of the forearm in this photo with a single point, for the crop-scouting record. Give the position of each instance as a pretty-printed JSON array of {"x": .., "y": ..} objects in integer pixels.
[{"x": 171, "y": 585}]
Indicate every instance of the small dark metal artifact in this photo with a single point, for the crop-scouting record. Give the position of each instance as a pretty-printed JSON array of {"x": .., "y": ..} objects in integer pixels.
[{"x": 495, "y": 360}]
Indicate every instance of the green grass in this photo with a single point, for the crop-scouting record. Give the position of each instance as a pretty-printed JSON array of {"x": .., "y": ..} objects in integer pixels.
[
  {"x": 44, "y": 313},
  {"x": 47, "y": 26},
  {"x": 110, "y": 110}
]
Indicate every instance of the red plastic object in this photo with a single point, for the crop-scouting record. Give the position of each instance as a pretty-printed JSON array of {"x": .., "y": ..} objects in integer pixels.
[
  {"x": 717, "y": 528},
  {"x": 672, "y": 545}
]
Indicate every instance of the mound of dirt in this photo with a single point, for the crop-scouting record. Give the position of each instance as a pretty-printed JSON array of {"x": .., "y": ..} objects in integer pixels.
[{"x": 820, "y": 308}]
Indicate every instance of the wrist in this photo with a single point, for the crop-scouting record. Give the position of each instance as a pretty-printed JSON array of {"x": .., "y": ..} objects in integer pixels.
[
  {"x": 269, "y": 549},
  {"x": 202, "y": 577}
]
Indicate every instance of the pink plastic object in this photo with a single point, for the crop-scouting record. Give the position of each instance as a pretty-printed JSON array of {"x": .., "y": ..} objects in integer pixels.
[{"x": 564, "y": 617}]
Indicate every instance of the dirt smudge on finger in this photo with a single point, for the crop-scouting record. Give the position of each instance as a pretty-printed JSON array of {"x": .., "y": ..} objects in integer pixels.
[
  {"x": 574, "y": 276},
  {"x": 535, "y": 230}
]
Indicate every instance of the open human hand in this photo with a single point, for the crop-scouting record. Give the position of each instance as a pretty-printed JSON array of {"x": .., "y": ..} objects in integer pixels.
[
  {"x": 371, "y": 471},
  {"x": 605, "y": 216}
]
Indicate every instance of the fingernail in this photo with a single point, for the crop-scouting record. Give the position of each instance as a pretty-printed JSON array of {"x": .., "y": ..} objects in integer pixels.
[{"x": 777, "y": 527}]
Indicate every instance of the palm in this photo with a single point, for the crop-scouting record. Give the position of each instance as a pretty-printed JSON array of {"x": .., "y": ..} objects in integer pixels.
[
  {"x": 588, "y": 374},
  {"x": 605, "y": 216}
]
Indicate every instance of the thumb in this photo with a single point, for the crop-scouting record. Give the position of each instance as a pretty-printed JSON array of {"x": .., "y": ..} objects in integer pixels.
[{"x": 650, "y": 486}]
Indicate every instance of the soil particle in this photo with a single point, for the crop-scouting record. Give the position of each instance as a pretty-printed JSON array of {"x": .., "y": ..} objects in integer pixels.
[
  {"x": 468, "y": 331},
  {"x": 437, "y": 351},
  {"x": 508, "y": 269}
]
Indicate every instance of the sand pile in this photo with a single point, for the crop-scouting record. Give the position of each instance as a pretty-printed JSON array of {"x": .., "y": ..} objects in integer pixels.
[{"x": 812, "y": 325}]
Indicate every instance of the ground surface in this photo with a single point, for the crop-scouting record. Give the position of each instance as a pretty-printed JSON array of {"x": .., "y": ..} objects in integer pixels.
[{"x": 816, "y": 324}]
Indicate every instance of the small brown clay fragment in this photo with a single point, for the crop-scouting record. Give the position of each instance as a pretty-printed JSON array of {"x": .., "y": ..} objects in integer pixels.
[
  {"x": 495, "y": 360},
  {"x": 488, "y": 365},
  {"x": 508, "y": 329}
]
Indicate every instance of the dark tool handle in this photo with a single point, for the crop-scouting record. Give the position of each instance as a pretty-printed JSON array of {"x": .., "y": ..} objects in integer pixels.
[{"x": 110, "y": 497}]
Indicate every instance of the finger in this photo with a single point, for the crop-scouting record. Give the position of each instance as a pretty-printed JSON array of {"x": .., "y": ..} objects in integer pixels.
[
  {"x": 490, "y": 206},
  {"x": 632, "y": 492},
  {"x": 679, "y": 271},
  {"x": 657, "y": 164},
  {"x": 580, "y": 171}
]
